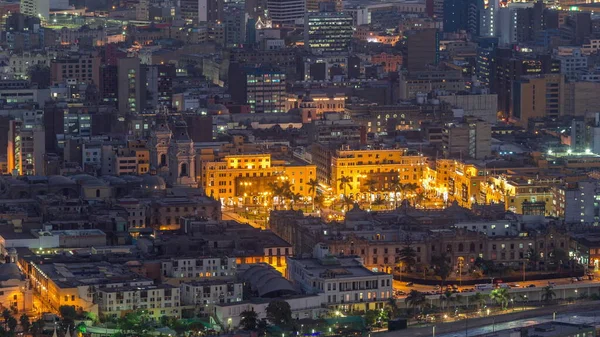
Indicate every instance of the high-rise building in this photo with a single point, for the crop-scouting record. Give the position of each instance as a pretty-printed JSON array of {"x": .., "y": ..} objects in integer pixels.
[
  {"x": 132, "y": 91},
  {"x": 467, "y": 138},
  {"x": 265, "y": 91},
  {"x": 572, "y": 62},
  {"x": 489, "y": 16},
  {"x": 422, "y": 49},
  {"x": 316, "y": 5},
  {"x": 37, "y": 8},
  {"x": 197, "y": 11},
  {"x": 537, "y": 96},
  {"x": 82, "y": 68},
  {"x": 328, "y": 32},
  {"x": 462, "y": 15},
  {"x": 26, "y": 148},
  {"x": 286, "y": 11}
]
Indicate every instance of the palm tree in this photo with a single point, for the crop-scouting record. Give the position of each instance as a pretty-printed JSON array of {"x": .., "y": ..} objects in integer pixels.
[
  {"x": 345, "y": 183},
  {"x": 369, "y": 184},
  {"x": 6, "y": 315},
  {"x": 348, "y": 201},
  {"x": 393, "y": 307},
  {"x": 478, "y": 299},
  {"x": 548, "y": 294},
  {"x": 312, "y": 188},
  {"x": 533, "y": 258},
  {"x": 500, "y": 296},
  {"x": 415, "y": 299},
  {"x": 275, "y": 189}
]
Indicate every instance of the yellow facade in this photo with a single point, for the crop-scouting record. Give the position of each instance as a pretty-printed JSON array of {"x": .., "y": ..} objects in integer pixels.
[
  {"x": 381, "y": 166},
  {"x": 458, "y": 181},
  {"x": 233, "y": 178},
  {"x": 513, "y": 192}
]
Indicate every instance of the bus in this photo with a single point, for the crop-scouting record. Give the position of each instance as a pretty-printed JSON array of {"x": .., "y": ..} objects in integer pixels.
[{"x": 483, "y": 287}]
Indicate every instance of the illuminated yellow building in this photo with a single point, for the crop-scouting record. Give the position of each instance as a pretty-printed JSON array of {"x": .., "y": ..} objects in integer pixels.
[
  {"x": 513, "y": 192},
  {"x": 458, "y": 181},
  {"x": 373, "y": 171},
  {"x": 246, "y": 177}
]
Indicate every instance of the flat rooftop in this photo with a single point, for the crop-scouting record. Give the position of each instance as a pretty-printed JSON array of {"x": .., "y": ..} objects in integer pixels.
[{"x": 335, "y": 267}]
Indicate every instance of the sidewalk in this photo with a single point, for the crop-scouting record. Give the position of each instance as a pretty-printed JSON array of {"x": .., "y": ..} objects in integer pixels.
[{"x": 442, "y": 328}]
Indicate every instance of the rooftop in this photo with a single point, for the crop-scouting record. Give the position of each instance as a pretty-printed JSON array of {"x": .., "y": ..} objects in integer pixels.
[{"x": 335, "y": 267}]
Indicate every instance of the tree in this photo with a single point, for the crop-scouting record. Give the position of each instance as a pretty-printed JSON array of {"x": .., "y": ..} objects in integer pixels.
[
  {"x": 558, "y": 256},
  {"x": 68, "y": 315},
  {"x": 478, "y": 299},
  {"x": 369, "y": 184},
  {"x": 25, "y": 324},
  {"x": 135, "y": 323},
  {"x": 345, "y": 183},
  {"x": 548, "y": 294},
  {"x": 533, "y": 258},
  {"x": 415, "y": 299},
  {"x": 501, "y": 297},
  {"x": 392, "y": 306},
  {"x": 312, "y": 189},
  {"x": 12, "y": 324},
  {"x": 249, "y": 320},
  {"x": 371, "y": 317},
  {"x": 37, "y": 327},
  {"x": 6, "y": 315},
  {"x": 441, "y": 266},
  {"x": 408, "y": 254},
  {"x": 279, "y": 313}
]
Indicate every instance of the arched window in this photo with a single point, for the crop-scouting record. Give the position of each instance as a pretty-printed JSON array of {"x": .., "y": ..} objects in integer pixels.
[
  {"x": 472, "y": 247},
  {"x": 461, "y": 247},
  {"x": 97, "y": 193},
  {"x": 449, "y": 248},
  {"x": 184, "y": 170},
  {"x": 163, "y": 159}
]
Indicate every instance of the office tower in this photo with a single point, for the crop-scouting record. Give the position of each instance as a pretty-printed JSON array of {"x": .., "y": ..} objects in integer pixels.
[
  {"x": 235, "y": 26},
  {"x": 26, "y": 148},
  {"x": 197, "y": 11},
  {"x": 485, "y": 66},
  {"x": 82, "y": 68},
  {"x": 537, "y": 96},
  {"x": 132, "y": 90},
  {"x": 265, "y": 91},
  {"x": 489, "y": 16},
  {"x": 422, "y": 49},
  {"x": 316, "y": 5},
  {"x": 328, "y": 32},
  {"x": 467, "y": 138},
  {"x": 286, "y": 11},
  {"x": 159, "y": 80},
  {"x": 37, "y": 8}
]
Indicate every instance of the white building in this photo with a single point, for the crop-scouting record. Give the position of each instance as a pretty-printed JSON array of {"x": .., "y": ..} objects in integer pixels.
[
  {"x": 37, "y": 8},
  {"x": 343, "y": 282},
  {"x": 577, "y": 202},
  {"x": 508, "y": 20},
  {"x": 34, "y": 241},
  {"x": 206, "y": 294},
  {"x": 302, "y": 306},
  {"x": 572, "y": 62},
  {"x": 158, "y": 300},
  {"x": 207, "y": 267}
]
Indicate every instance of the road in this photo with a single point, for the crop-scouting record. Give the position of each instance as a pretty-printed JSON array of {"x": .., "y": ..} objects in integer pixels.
[
  {"x": 580, "y": 313},
  {"x": 401, "y": 285}
]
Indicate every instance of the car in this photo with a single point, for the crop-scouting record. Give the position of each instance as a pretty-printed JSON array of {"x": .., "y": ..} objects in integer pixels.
[
  {"x": 531, "y": 286},
  {"x": 551, "y": 284},
  {"x": 400, "y": 292},
  {"x": 580, "y": 278},
  {"x": 574, "y": 279},
  {"x": 438, "y": 287},
  {"x": 410, "y": 284},
  {"x": 515, "y": 285},
  {"x": 454, "y": 287}
]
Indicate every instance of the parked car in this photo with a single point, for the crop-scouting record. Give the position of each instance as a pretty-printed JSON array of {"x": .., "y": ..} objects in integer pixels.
[
  {"x": 410, "y": 284},
  {"x": 531, "y": 286},
  {"x": 574, "y": 279}
]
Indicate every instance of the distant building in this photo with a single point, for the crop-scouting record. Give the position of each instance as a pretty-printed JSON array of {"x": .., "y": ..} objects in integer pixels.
[
  {"x": 156, "y": 300},
  {"x": 328, "y": 32},
  {"x": 286, "y": 11},
  {"x": 468, "y": 138}
]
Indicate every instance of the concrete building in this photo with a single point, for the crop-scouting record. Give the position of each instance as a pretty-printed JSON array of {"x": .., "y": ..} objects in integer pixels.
[
  {"x": 467, "y": 138},
  {"x": 265, "y": 91},
  {"x": 414, "y": 82},
  {"x": 538, "y": 96},
  {"x": 201, "y": 267},
  {"x": 81, "y": 68},
  {"x": 26, "y": 149},
  {"x": 37, "y": 8},
  {"x": 206, "y": 294},
  {"x": 335, "y": 129},
  {"x": 328, "y": 32},
  {"x": 286, "y": 11},
  {"x": 131, "y": 97},
  {"x": 196, "y": 11},
  {"x": 156, "y": 300},
  {"x": 165, "y": 213},
  {"x": 422, "y": 49},
  {"x": 577, "y": 202},
  {"x": 481, "y": 106},
  {"x": 573, "y": 63},
  {"x": 342, "y": 281},
  {"x": 581, "y": 97}
]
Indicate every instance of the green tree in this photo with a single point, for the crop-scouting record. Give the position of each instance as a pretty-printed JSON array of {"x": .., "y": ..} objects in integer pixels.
[
  {"x": 415, "y": 299},
  {"x": 135, "y": 323},
  {"x": 249, "y": 320},
  {"x": 478, "y": 299},
  {"x": 12, "y": 325},
  {"x": 371, "y": 317},
  {"x": 345, "y": 183},
  {"x": 37, "y": 327},
  {"x": 6, "y": 314},
  {"x": 548, "y": 294},
  {"x": 392, "y": 306},
  {"x": 501, "y": 297},
  {"x": 279, "y": 313},
  {"x": 369, "y": 184},
  {"x": 408, "y": 255},
  {"x": 558, "y": 257},
  {"x": 441, "y": 266},
  {"x": 68, "y": 315},
  {"x": 533, "y": 258},
  {"x": 25, "y": 323},
  {"x": 312, "y": 189}
]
